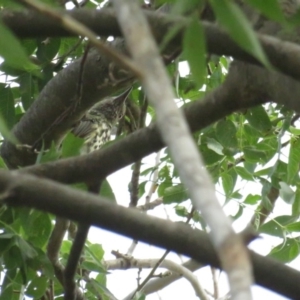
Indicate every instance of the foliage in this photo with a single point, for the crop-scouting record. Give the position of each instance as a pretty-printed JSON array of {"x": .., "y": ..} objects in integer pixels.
[{"x": 259, "y": 146}]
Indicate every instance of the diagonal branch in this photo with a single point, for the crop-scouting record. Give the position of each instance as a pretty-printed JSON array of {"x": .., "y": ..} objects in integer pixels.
[
  {"x": 174, "y": 130},
  {"x": 199, "y": 114}
]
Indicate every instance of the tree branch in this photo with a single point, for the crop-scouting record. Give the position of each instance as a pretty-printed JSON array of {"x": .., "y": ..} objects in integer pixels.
[
  {"x": 131, "y": 262},
  {"x": 46, "y": 195},
  {"x": 285, "y": 56}
]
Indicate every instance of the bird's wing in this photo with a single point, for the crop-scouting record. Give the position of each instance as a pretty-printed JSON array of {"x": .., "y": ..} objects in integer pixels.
[{"x": 83, "y": 128}]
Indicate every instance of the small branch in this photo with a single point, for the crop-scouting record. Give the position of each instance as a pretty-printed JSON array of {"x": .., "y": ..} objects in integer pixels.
[
  {"x": 166, "y": 279},
  {"x": 153, "y": 186},
  {"x": 54, "y": 244},
  {"x": 72, "y": 263},
  {"x": 76, "y": 251},
  {"x": 134, "y": 184},
  {"x": 150, "y": 205},
  {"x": 132, "y": 263},
  {"x": 53, "y": 247}
]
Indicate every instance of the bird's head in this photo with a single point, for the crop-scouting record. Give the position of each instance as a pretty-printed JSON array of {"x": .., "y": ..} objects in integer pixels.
[{"x": 111, "y": 109}]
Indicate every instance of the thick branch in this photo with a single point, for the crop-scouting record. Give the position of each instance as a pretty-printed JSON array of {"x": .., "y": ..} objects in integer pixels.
[
  {"x": 46, "y": 195},
  {"x": 55, "y": 109},
  {"x": 284, "y": 56},
  {"x": 214, "y": 106}
]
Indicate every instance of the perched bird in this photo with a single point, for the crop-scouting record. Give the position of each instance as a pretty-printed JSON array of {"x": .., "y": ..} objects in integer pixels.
[{"x": 95, "y": 127}]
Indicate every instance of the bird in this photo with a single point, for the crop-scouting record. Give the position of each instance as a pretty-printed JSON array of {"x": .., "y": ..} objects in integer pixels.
[{"x": 96, "y": 125}]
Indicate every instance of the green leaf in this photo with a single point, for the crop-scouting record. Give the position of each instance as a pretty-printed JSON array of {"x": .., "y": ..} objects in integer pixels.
[
  {"x": 252, "y": 199},
  {"x": 93, "y": 266},
  {"x": 49, "y": 155},
  {"x": 232, "y": 18},
  {"x": 12, "y": 52},
  {"x": 103, "y": 290},
  {"x": 228, "y": 184},
  {"x": 96, "y": 251},
  {"x": 66, "y": 247},
  {"x": 266, "y": 187},
  {"x": 269, "y": 8},
  {"x": 286, "y": 193},
  {"x": 71, "y": 145},
  {"x": 211, "y": 157},
  {"x": 215, "y": 146},
  {"x": 187, "y": 6},
  {"x": 194, "y": 50},
  {"x": 294, "y": 227},
  {"x": 37, "y": 287},
  {"x": 175, "y": 194},
  {"x": 294, "y": 159},
  {"x": 296, "y": 204},
  {"x": 251, "y": 134},
  {"x": 26, "y": 89},
  {"x": 293, "y": 130},
  {"x": 29, "y": 46},
  {"x": 27, "y": 250},
  {"x": 2, "y": 164},
  {"x": 226, "y": 133},
  {"x": 238, "y": 213},
  {"x": 40, "y": 229},
  {"x": 272, "y": 228},
  {"x": 142, "y": 187},
  {"x": 253, "y": 155},
  {"x": 47, "y": 49},
  {"x": 13, "y": 258},
  {"x": 7, "y": 105},
  {"x": 164, "y": 185},
  {"x": 286, "y": 251},
  {"x": 5, "y": 132},
  {"x": 259, "y": 119},
  {"x": 181, "y": 211},
  {"x": 164, "y": 173},
  {"x": 243, "y": 173},
  {"x": 106, "y": 191}
]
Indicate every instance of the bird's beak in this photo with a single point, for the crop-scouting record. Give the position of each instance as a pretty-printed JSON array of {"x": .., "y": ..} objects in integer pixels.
[{"x": 122, "y": 98}]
